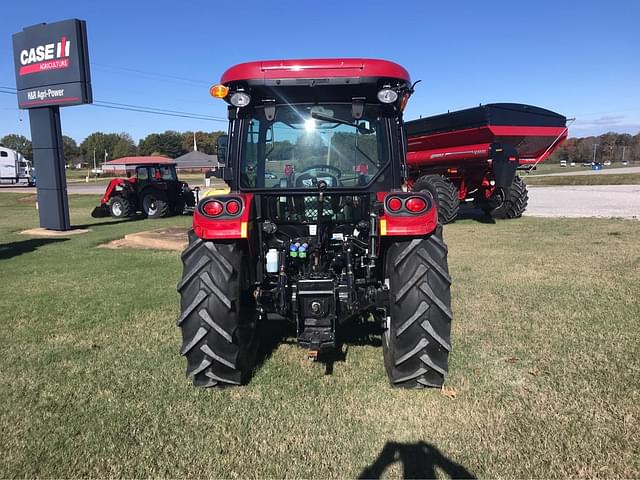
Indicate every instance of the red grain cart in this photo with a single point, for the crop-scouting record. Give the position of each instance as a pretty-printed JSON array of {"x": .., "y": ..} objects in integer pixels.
[{"x": 472, "y": 155}]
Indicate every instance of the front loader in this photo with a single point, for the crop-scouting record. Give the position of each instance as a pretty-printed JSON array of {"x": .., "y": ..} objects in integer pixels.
[{"x": 318, "y": 229}]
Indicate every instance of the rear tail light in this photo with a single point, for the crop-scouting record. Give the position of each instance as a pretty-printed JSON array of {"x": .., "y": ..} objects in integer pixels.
[
  {"x": 221, "y": 207},
  {"x": 415, "y": 204},
  {"x": 394, "y": 204},
  {"x": 213, "y": 208},
  {"x": 233, "y": 207},
  {"x": 406, "y": 204}
]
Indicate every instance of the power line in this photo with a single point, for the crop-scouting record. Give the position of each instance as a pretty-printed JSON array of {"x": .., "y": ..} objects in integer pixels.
[
  {"x": 145, "y": 109},
  {"x": 164, "y": 110},
  {"x": 156, "y": 112},
  {"x": 153, "y": 74}
]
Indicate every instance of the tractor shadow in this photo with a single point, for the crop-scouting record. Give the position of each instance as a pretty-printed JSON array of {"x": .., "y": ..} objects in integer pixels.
[
  {"x": 357, "y": 333},
  {"x": 133, "y": 218},
  {"x": 13, "y": 249},
  {"x": 418, "y": 460},
  {"x": 477, "y": 214},
  {"x": 272, "y": 334}
]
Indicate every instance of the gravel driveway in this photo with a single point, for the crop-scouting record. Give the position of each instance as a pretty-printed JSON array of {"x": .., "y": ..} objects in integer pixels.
[{"x": 585, "y": 201}]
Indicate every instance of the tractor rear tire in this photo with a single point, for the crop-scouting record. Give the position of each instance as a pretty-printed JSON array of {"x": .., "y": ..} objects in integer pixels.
[
  {"x": 119, "y": 207},
  {"x": 155, "y": 205},
  {"x": 417, "y": 341},
  {"x": 445, "y": 194},
  {"x": 515, "y": 203},
  {"x": 218, "y": 315}
]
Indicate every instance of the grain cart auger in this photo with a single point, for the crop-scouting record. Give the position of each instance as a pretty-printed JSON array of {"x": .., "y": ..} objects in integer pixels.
[{"x": 317, "y": 227}]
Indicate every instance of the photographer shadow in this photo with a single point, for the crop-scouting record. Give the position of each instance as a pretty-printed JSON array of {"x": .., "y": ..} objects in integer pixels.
[{"x": 419, "y": 460}]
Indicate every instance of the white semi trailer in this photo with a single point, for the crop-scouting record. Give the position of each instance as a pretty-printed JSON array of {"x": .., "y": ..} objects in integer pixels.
[{"x": 15, "y": 168}]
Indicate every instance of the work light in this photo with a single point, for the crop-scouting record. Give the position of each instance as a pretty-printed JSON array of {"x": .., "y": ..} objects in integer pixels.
[
  {"x": 240, "y": 99},
  {"x": 386, "y": 95}
]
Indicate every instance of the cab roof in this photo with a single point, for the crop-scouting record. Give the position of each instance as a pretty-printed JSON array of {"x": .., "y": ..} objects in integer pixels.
[{"x": 320, "y": 68}]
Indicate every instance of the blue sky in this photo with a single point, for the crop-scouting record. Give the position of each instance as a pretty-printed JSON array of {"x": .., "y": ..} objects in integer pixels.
[{"x": 579, "y": 58}]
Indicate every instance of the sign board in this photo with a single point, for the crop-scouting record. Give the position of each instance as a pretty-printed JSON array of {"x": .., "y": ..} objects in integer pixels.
[{"x": 52, "y": 65}]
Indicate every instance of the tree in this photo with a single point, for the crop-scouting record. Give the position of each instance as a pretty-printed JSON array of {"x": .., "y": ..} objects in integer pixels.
[
  {"x": 168, "y": 143},
  {"x": 71, "y": 150},
  {"x": 115, "y": 144},
  {"x": 124, "y": 147},
  {"x": 206, "y": 141},
  {"x": 19, "y": 143}
]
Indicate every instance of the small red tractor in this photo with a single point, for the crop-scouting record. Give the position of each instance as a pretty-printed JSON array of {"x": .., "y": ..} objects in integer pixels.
[
  {"x": 154, "y": 191},
  {"x": 319, "y": 227},
  {"x": 472, "y": 155}
]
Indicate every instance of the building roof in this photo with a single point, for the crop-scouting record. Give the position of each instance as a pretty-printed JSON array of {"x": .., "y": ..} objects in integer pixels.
[
  {"x": 139, "y": 160},
  {"x": 197, "y": 159}
]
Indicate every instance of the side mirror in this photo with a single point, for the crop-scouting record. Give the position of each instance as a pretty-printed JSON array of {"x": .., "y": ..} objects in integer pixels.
[{"x": 221, "y": 148}]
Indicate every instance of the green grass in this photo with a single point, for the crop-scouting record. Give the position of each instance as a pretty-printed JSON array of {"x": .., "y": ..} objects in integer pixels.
[
  {"x": 546, "y": 365},
  {"x": 593, "y": 179}
]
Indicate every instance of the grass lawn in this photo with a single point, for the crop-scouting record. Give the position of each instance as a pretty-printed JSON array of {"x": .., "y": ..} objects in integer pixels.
[
  {"x": 595, "y": 179},
  {"x": 545, "y": 367}
]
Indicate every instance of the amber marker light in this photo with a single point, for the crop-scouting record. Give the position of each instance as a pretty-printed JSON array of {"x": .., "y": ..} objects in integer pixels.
[
  {"x": 383, "y": 226},
  {"x": 219, "y": 91}
]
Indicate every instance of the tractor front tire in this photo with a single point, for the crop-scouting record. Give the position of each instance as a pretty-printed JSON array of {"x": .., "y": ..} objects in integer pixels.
[
  {"x": 417, "y": 340},
  {"x": 218, "y": 315},
  {"x": 445, "y": 194},
  {"x": 154, "y": 205},
  {"x": 516, "y": 202},
  {"x": 119, "y": 207}
]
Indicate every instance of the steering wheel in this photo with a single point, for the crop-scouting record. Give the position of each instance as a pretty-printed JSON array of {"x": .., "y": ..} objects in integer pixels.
[{"x": 337, "y": 171}]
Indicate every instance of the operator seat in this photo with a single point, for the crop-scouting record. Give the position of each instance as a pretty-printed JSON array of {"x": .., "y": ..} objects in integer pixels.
[{"x": 307, "y": 206}]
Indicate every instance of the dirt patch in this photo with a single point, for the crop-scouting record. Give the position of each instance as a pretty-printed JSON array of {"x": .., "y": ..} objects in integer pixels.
[
  {"x": 44, "y": 232},
  {"x": 162, "y": 239}
]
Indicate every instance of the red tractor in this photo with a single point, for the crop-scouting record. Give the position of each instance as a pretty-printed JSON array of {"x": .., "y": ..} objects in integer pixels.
[
  {"x": 472, "y": 155},
  {"x": 154, "y": 191},
  {"x": 319, "y": 228}
]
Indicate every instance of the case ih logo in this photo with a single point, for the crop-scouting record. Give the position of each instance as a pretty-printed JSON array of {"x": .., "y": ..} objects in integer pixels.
[{"x": 52, "y": 56}]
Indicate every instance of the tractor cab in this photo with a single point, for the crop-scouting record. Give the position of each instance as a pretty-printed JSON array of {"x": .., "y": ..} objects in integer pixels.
[
  {"x": 296, "y": 125},
  {"x": 155, "y": 174}
]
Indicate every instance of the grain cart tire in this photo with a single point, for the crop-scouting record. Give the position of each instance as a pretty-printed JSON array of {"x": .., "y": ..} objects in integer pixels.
[
  {"x": 119, "y": 207},
  {"x": 154, "y": 205},
  {"x": 446, "y": 195},
  {"x": 416, "y": 342},
  {"x": 516, "y": 202},
  {"x": 217, "y": 318}
]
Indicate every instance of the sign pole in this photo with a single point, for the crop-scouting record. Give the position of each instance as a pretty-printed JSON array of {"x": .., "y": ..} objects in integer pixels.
[
  {"x": 48, "y": 159},
  {"x": 52, "y": 71}
]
